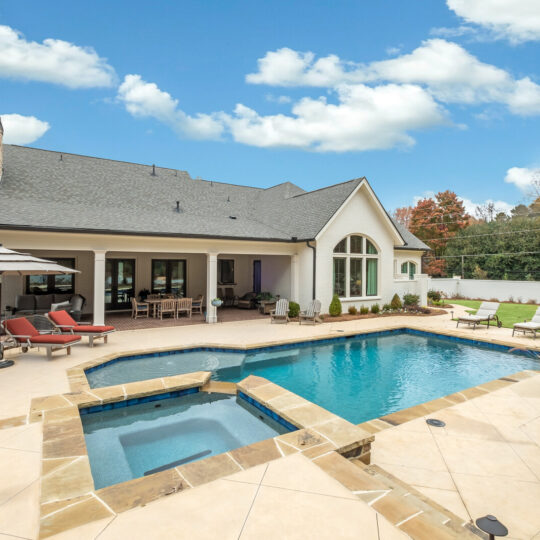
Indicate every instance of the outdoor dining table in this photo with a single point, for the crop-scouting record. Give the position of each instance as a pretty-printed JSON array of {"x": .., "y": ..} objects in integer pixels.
[{"x": 154, "y": 303}]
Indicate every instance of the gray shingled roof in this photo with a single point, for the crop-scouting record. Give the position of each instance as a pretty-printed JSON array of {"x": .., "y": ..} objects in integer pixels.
[{"x": 41, "y": 189}]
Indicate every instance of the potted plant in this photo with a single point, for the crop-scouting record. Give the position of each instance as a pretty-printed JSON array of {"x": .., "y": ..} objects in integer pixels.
[{"x": 217, "y": 302}]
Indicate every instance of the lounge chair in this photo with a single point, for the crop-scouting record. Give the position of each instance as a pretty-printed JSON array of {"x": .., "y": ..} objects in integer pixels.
[
  {"x": 139, "y": 309},
  {"x": 532, "y": 326},
  {"x": 486, "y": 313},
  {"x": 312, "y": 313},
  {"x": 28, "y": 336},
  {"x": 281, "y": 313},
  {"x": 67, "y": 325}
]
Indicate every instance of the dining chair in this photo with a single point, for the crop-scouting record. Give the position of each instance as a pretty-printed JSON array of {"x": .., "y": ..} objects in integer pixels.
[
  {"x": 183, "y": 305},
  {"x": 166, "y": 307},
  {"x": 139, "y": 309},
  {"x": 198, "y": 304}
]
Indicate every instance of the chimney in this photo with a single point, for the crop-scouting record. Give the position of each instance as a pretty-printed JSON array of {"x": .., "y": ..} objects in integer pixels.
[{"x": 1, "y": 149}]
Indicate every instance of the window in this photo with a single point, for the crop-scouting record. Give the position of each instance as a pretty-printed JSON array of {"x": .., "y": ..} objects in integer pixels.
[
  {"x": 169, "y": 276},
  {"x": 409, "y": 268},
  {"x": 49, "y": 284},
  {"x": 226, "y": 271},
  {"x": 356, "y": 267}
]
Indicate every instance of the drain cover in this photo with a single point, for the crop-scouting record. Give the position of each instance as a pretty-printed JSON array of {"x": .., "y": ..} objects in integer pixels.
[{"x": 436, "y": 423}]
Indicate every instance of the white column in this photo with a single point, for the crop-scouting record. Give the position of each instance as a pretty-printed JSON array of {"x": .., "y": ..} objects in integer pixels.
[
  {"x": 211, "y": 287},
  {"x": 422, "y": 287},
  {"x": 99, "y": 287},
  {"x": 295, "y": 278}
]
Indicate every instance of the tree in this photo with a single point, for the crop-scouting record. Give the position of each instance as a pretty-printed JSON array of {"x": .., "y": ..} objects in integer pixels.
[
  {"x": 403, "y": 215},
  {"x": 435, "y": 221}
]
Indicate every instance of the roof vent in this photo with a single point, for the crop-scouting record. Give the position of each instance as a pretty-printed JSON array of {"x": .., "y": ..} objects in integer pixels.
[
  {"x": 232, "y": 217},
  {"x": 153, "y": 173},
  {"x": 228, "y": 199},
  {"x": 61, "y": 159},
  {"x": 178, "y": 206}
]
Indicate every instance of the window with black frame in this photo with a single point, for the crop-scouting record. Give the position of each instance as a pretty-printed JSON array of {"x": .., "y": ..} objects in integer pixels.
[
  {"x": 226, "y": 271},
  {"x": 169, "y": 276},
  {"x": 52, "y": 284}
]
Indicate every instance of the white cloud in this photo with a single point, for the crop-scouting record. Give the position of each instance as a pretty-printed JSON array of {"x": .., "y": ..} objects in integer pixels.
[
  {"x": 53, "y": 61},
  {"x": 278, "y": 99},
  {"x": 516, "y": 20},
  {"x": 522, "y": 177},
  {"x": 444, "y": 68},
  {"x": 20, "y": 129},
  {"x": 145, "y": 99},
  {"x": 364, "y": 118}
]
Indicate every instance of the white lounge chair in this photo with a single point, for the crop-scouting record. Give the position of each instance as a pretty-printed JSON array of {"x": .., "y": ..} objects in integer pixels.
[
  {"x": 532, "y": 326},
  {"x": 312, "y": 313},
  {"x": 281, "y": 313},
  {"x": 486, "y": 312}
]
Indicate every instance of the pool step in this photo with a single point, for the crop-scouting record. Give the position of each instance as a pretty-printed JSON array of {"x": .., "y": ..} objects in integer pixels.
[{"x": 424, "y": 513}]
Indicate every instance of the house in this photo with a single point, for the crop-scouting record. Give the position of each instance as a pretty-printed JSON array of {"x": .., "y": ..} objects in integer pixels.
[{"x": 128, "y": 227}]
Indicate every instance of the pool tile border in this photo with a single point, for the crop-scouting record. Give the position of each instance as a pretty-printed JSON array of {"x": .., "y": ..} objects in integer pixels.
[
  {"x": 68, "y": 497},
  {"x": 79, "y": 382}
]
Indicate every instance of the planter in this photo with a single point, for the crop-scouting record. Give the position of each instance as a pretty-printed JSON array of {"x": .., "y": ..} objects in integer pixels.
[{"x": 217, "y": 303}]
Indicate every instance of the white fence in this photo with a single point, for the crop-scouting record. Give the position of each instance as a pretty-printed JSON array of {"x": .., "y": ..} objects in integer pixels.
[{"x": 486, "y": 289}]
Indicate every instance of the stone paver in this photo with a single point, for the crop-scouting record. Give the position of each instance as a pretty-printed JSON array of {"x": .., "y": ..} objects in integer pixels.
[{"x": 486, "y": 460}]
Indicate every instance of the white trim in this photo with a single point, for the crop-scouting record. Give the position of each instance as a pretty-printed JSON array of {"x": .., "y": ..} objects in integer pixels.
[{"x": 389, "y": 222}]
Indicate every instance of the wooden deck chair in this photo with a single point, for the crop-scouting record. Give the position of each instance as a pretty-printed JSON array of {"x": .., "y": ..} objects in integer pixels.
[
  {"x": 281, "y": 313},
  {"x": 311, "y": 314},
  {"x": 183, "y": 305},
  {"x": 166, "y": 307}
]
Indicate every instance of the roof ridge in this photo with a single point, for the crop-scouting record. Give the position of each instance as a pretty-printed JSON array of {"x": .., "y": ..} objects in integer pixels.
[{"x": 329, "y": 187}]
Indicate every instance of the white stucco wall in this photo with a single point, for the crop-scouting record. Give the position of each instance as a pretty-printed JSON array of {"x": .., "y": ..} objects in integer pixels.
[
  {"x": 401, "y": 256},
  {"x": 359, "y": 215}
]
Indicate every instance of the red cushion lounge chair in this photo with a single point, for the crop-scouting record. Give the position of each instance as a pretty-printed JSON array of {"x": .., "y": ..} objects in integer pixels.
[
  {"x": 67, "y": 325},
  {"x": 28, "y": 336}
]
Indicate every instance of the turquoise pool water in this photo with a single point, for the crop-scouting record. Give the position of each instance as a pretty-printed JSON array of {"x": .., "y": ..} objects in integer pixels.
[
  {"x": 360, "y": 378},
  {"x": 132, "y": 441}
]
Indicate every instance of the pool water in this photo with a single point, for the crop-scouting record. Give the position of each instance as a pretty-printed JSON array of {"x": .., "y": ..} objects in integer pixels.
[
  {"x": 360, "y": 378},
  {"x": 138, "y": 440}
]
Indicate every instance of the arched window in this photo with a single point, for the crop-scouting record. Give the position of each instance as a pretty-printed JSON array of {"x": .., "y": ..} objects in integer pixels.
[
  {"x": 356, "y": 267},
  {"x": 409, "y": 268}
]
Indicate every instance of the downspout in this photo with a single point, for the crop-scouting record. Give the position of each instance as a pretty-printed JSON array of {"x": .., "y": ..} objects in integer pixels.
[{"x": 314, "y": 266}]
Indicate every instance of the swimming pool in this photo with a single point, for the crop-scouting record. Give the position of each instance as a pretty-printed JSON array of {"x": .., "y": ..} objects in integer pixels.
[
  {"x": 134, "y": 441},
  {"x": 357, "y": 378}
]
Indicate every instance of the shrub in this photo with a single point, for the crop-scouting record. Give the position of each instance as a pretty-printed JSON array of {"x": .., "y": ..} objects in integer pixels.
[
  {"x": 479, "y": 273},
  {"x": 396, "y": 302},
  {"x": 375, "y": 308},
  {"x": 410, "y": 300},
  {"x": 387, "y": 307},
  {"x": 434, "y": 296},
  {"x": 352, "y": 310},
  {"x": 335, "y": 306},
  {"x": 294, "y": 310},
  {"x": 364, "y": 310}
]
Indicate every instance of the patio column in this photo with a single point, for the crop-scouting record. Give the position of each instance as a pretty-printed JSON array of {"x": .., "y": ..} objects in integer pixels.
[
  {"x": 211, "y": 287},
  {"x": 99, "y": 286},
  {"x": 422, "y": 290},
  {"x": 295, "y": 278}
]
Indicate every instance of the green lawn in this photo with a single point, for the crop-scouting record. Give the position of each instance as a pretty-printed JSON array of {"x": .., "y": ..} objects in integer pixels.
[{"x": 507, "y": 313}]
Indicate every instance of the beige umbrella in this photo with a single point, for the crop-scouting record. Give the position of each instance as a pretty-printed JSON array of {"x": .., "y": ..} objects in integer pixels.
[{"x": 13, "y": 263}]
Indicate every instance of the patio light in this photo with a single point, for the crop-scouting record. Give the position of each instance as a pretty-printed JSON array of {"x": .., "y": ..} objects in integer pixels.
[{"x": 491, "y": 525}]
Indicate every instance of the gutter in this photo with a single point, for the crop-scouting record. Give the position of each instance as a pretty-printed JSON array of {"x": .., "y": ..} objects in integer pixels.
[{"x": 314, "y": 267}]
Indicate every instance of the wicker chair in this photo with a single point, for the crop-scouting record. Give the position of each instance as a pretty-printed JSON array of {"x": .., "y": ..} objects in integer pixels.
[{"x": 183, "y": 305}]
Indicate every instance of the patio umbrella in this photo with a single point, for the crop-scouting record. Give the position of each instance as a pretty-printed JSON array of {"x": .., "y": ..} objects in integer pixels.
[{"x": 13, "y": 263}]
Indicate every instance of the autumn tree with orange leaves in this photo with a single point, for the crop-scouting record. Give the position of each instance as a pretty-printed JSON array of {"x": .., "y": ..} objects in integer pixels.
[{"x": 435, "y": 221}]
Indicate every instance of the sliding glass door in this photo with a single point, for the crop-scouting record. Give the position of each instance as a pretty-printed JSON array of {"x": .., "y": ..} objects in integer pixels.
[{"x": 119, "y": 283}]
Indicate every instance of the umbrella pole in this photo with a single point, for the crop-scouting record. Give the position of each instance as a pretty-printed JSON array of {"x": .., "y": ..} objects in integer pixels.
[{"x": 3, "y": 363}]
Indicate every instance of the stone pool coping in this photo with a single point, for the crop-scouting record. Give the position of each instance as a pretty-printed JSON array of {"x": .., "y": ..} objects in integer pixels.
[
  {"x": 69, "y": 499},
  {"x": 78, "y": 381}
]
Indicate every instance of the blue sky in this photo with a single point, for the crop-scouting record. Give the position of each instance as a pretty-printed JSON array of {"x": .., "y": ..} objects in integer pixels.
[{"x": 418, "y": 96}]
